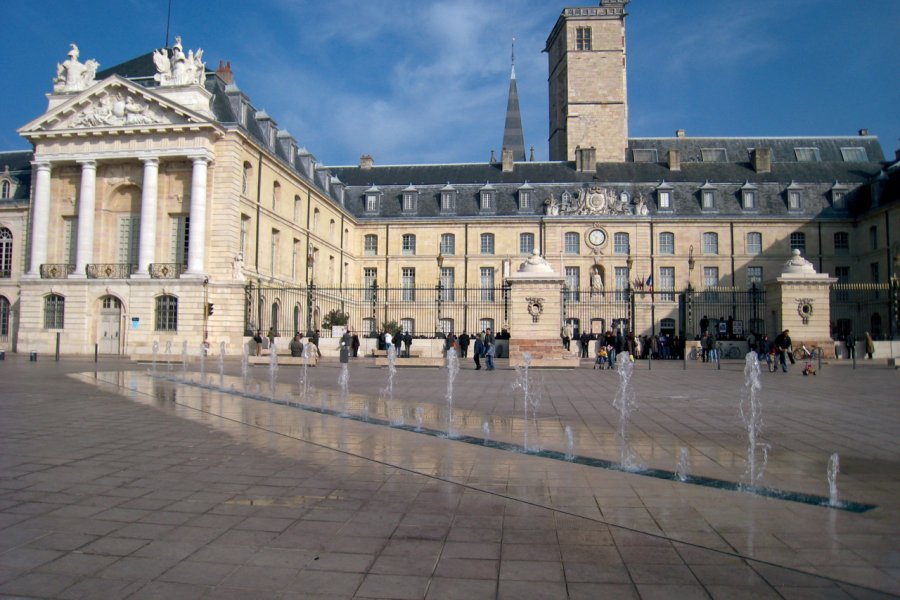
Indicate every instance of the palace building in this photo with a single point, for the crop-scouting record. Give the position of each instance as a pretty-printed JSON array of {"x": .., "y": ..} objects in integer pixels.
[{"x": 160, "y": 207}]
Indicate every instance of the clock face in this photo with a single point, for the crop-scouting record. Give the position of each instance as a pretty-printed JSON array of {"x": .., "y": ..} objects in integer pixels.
[{"x": 596, "y": 237}]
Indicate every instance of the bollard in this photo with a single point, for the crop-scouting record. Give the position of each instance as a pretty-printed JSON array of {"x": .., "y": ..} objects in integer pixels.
[
  {"x": 33, "y": 356},
  {"x": 57, "y": 346},
  {"x": 96, "y": 351},
  {"x": 2, "y": 355},
  {"x": 650, "y": 361}
]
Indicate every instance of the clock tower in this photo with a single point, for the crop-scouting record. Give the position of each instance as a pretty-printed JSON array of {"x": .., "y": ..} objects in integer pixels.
[{"x": 587, "y": 82}]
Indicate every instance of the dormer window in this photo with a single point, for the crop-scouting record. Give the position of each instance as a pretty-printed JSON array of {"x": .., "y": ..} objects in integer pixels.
[
  {"x": 5, "y": 190},
  {"x": 644, "y": 155},
  {"x": 664, "y": 196},
  {"x": 749, "y": 198},
  {"x": 448, "y": 199},
  {"x": 794, "y": 197},
  {"x": 854, "y": 155},
  {"x": 839, "y": 196},
  {"x": 410, "y": 199},
  {"x": 807, "y": 154},
  {"x": 373, "y": 199},
  {"x": 708, "y": 197},
  {"x": 488, "y": 198},
  {"x": 526, "y": 198}
]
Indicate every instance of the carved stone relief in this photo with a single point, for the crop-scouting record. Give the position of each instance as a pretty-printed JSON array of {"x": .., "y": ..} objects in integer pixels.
[
  {"x": 116, "y": 111},
  {"x": 178, "y": 69},
  {"x": 595, "y": 200}
]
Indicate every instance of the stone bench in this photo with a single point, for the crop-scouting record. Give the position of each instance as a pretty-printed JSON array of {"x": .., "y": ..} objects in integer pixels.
[
  {"x": 416, "y": 361},
  {"x": 282, "y": 360},
  {"x": 412, "y": 353}
]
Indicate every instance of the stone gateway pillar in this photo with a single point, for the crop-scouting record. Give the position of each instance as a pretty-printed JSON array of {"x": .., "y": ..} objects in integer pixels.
[
  {"x": 535, "y": 299},
  {"x": 799, "y": 300}
]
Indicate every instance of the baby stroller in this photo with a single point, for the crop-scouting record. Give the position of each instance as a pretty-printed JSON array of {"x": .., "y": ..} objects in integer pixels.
[
  {"x": 602, "y": 357},
  {"x": 808, "y": 368}
]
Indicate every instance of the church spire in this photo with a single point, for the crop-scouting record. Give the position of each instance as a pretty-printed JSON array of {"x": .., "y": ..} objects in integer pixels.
[{"x": 513, "y": 136}]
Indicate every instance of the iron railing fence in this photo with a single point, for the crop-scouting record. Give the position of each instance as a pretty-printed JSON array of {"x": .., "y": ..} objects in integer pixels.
[
  {"x": 423, "y": 311},
  {"x": 597, "y": 312},
  {"x": 729, "y": 312},
  {"x": 861, "y": 307}
]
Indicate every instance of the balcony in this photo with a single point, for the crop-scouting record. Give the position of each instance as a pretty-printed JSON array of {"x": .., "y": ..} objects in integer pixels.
[
  {"x": 58, "y": 271},
  {"x": 110, "y": 270},
  {"x": 167, "y": 270}
]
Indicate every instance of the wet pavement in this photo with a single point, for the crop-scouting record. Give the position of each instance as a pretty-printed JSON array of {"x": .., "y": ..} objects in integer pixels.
[{"x": 120, "y": 482}]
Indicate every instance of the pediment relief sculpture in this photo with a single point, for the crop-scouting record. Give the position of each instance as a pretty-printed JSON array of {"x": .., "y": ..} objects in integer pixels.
[
  {"x": 116, "y": 110},
  {"x": 178, "y": 69},
  {"x": 595, "y": 200},
  {"x": 73, "y": 75}
]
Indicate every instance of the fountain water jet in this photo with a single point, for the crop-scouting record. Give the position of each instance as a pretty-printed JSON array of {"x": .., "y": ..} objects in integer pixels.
[
  {"x": 486, "y": 432},
  {"x": 523, "y": 382},
  {"x": 684, "y": 465},
  {"x": 420, "y": 416},
  {"x": 202, "y": 361},
  {"x": 834, "y": 467},
  {"x": 570, "y": 443},
  {"x": 344, "y": 383},
  {"x": 625, "y": 402},
  {"x": 169, "y": 355},
  {"x": 273, "y": 367},
  {"x": 387, "y": 392},
  {"x": 751, "y": 414},
  {"x": 184, "y": 359},
  {"x": 452, "y": 371},
  {"x": 221, "y": 360},
  {"x": 155, "y": 352}
]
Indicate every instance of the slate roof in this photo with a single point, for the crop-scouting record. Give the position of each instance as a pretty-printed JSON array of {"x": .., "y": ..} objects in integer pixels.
[{"x": 19, "y": 163}]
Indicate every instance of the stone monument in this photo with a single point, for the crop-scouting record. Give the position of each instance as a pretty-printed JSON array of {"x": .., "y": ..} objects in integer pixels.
[
  {"x": 535, "y": 307},
  {"x": 799, "y": 301}
]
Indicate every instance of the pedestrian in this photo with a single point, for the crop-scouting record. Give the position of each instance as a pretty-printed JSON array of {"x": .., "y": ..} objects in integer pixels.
[
  {"x": 314, "y": 340},
  {"x": 463, "y": 344},
  {"x": 851, "y": 345},
  {"x": 354, "y": 343},
  {"x": 870, "y": 346},
  {"x": 783, "y": 349},
  {"x": 296, "y": 346},
  {"x": 407, "y": 342},
  {"x": 584, "y": 340},
  {"x": 271, "y": 335},
  {"x": 257, "y": 339},
  {"x": 489, "y": 354},
  {"x": 566, "y": 336},
  {"x": 601, "y": 356},
  {"x": 388, "y": 340},
  {"x": 712, "y": 352},
  {"x": 477, "y": 351}
]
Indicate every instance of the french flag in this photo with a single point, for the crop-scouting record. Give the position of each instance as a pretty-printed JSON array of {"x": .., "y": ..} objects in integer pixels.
[{"x": 649, "y": 282}]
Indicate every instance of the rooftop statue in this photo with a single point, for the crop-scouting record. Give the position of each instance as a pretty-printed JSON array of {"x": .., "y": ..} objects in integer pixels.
[
  {"x": 72, "y": 75},
  {"x": 179, "y": 69}
]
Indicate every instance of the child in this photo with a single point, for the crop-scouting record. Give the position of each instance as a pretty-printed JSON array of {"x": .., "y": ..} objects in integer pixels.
[
  {"x": 601, "y": 356},
  {"x": 808, "y": 367},
  {"x": 489, "y": 355}
]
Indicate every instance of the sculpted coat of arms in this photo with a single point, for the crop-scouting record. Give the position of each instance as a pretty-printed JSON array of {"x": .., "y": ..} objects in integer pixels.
[{"x": 596, "y": 200}]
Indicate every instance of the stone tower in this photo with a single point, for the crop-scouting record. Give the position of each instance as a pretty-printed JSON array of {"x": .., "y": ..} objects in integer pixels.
[{"x": 587, "y": 81}]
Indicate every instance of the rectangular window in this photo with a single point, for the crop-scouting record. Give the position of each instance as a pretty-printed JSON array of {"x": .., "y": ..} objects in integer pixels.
[
  {"x": 749, "y": 197},
  {"x": 665, "y": 199},
  {"x": 448, "y": 244},
  {"x": 854, "y": 155},
  {"x": 842, "y": 274},
  {"x": 487, "y": 283},
  {"x": 447, "y": 204},
  {"x": 273, "y": 265},
  {"x": 873, "y": 237},
  {"x": 448, "y": 283},
  {"x": 644, "y": 155},
  {"x": 571, "y": 242},
  {"x": 370, "y": 245},
  {"x": 245, "y": 227},
  {"x": 70, "y": 236},
  {"x": 129, "y": 239},
  {"x": 798, "y": 241},
  {"x": 667, "y": 283},
  {"x": 167, "y": 313},
  {"x": 807, "y": 154},
  {"x": 487, "y": 201},
  {"x": 621, "y": 243},
  {"x": 371, "y": 203},
  {"x": 839, "y": 199},
  {"x": 409, "y": 202},
  {"x": 708, "y": 198},
  {"x": 793, "y": 199},
  {"x": 713, "y": 155},
  {"x": 754, "y": 276},
  {"x": 178, "y": 247},
  {"x": 873, "y": 273},
  {"x": 583, "y": 39},
  {"x": 295, "y": 253},
  {"x": 710, "y": 243},
  {"x": 667, "y": 242},
  {"x": 754, "y": 243},
  {"x": 409, "y": 244},
  {"x": 370, "y": 276},
  {"x": 711, "y": 277},
  {"x": 841, "y": 242},
  {"x": 487, "y": 243},
  {"x": 525, "y": 200},
  {"x": 573, "y": 282},
  {"x": 408, "y": 284},
  {"x": 54, "y": 311},
  {"x": 526, "y": 243},
  {"x": 621, "y": 275}
]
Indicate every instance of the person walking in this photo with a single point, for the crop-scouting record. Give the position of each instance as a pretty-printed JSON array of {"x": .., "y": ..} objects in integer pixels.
[
  {"x": 314, "y": 340},
  {"x": 585, "y": 341},
  {"x": 296, "y": 346},
  {"x": 257, "y": 339},
  {"x": 463, "y": 344},
  {"x": 851, "y": 346},
  {"x": 489, "y": 353},
  {"x": 477, "y": 351},
  {"x": 388, "y": 340},
  {"x": 354, "y": 343},
  {"x": 783, "y": 348},
  {"x": 870, "y": 346},
  {"x": 566, "y": 336}
]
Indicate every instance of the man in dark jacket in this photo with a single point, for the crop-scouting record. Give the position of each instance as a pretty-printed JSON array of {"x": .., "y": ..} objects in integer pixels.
[
  {"x": 477, "y": 351},
  {"x": 783, "y": 347},
  {"x": 463, "y": 344},
  {"x": 851, "y": 346},
  {"x": 585, "y": 340}
]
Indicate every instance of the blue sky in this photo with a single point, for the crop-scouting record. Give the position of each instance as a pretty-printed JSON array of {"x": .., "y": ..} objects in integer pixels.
[{"x": 425, "y": 81}]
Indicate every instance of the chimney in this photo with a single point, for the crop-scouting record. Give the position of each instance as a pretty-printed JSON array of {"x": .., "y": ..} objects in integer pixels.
[
  {"x": 762, "y": 160},
  {"x": 863, "y": 132},
  {"x": 507, "y": 160},
  {"x": 585, "y": 160},
  {"x": 674, "y": 157},
  {"x": 224, "y": 72},
  {"x": 366, "y": 162},
  {"x": 679, "y": 133}
]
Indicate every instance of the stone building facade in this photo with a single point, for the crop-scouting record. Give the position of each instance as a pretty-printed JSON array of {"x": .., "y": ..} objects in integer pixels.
[{"x": 157, "y": 198}]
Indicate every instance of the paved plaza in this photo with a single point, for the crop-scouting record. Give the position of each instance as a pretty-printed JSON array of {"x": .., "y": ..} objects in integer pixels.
[{"x": 120, "y": 482}]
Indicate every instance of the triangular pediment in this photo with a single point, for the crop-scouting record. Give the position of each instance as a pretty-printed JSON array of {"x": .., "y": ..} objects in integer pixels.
[{"x": 114, "y": 103}]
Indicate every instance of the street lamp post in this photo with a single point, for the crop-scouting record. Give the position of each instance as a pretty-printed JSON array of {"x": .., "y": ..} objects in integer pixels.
[
  {"x": 374, "y": 302},
  {"x": 689, "y": 306},
  {"x": 311, "y": 285}
]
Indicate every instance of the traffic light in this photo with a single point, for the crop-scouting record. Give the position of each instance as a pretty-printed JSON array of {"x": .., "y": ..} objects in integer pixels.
[{"x": 209, "y": 309}]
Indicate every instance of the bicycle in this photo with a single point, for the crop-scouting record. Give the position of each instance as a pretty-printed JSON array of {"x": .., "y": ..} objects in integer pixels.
[
  {"x": 733, "y": 352},
  {"x": 804, "y": 353}
]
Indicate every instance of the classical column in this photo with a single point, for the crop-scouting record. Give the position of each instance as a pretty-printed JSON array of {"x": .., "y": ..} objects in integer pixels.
[
  {"x": 40, "y": 218},
  {"x": 197, "y": 232},
  {"x": 84, "y": 252},
  {"x": 147, "y": 248}
]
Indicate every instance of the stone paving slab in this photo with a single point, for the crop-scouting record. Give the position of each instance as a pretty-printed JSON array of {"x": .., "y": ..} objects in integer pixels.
[{"x": 127, "y": 486}]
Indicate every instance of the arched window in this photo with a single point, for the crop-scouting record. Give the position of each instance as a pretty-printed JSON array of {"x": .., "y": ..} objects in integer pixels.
[
  {"x": 4, "y": 319},
  {"x": 298, "y": 208},
  {"x": 166, "y": 313},
  {"x": 111, "y": 302},
  {"x": 276, "y": 309},
  {"x": 5, "y": 190},
  {"x": 6, "y": 247},
  {"x": 245, "y": 182},
  {"x": 54, "y": 311},
  {"x": 297, "y": 319},
  {"x": 276, "y": 195}
]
